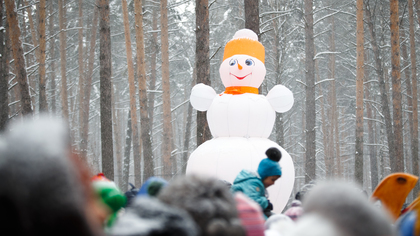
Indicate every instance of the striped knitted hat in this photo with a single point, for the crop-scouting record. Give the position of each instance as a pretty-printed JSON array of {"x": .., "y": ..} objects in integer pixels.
[{"x": 250, "y": 214}]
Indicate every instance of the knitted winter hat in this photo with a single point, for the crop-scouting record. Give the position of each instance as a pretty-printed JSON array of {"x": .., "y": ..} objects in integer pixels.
[
  {"x": 152, "y": 186},
  {"x": 270, "y": 165},
  {"x": 245, "y": 42},
  {"x": 251, "y": 215}
]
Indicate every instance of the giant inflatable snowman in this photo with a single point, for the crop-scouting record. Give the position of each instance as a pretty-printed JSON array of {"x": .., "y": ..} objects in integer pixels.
[{"x": 241, "y": 120}]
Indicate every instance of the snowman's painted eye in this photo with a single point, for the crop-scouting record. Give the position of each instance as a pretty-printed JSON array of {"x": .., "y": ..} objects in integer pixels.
[
  {"x": 232, "y": 62},
  {"x": 249, "y": 62}
]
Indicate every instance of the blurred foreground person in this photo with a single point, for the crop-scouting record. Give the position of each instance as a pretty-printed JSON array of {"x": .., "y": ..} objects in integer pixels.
[
  {"x": 340, "y": 208},
  {"x": 208, "y": 201},
  {"x": 295, "y": 211},
  {"x": 41, "y": 192},
  {"x": 150, "y": 217},
  {"x": 110, "y": 195},
  {"x": 279, "y": 224}
]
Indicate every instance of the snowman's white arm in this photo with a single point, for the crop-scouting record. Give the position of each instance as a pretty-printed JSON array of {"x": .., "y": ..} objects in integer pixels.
[
  {"x": 280, "y": 98},
  {"x": 202, "y": 97}
]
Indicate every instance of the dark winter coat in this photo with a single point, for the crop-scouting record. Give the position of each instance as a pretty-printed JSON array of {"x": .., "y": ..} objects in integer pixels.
[{"x": 252, "y": 186}]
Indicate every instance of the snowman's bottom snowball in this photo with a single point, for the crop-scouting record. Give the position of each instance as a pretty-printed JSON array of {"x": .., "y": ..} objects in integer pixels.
[{"x": 225, "y": 157}]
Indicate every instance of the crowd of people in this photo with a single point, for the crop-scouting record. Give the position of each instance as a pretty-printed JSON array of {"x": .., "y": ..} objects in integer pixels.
[{"x": 46, "y": 189}]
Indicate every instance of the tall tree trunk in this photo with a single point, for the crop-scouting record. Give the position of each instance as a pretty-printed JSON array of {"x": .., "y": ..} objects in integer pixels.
[
  {"x": 310, "y": 162},
  {"x": 279, "y": 58},
  {"x": 63, "y": 45},
  {"x": 371, "y": 131},
  {"x": 152, "y": 80},
  {"x": 133, "y": 107},
  {"x": 33, "y": 31},
  {"x": 358, "y": 165},
  {"x": 117, "y": 131},
  {"x": 105, "y": 88},
  {"x": 334, "y": 129},
  {"x": 202, "y": 32},
  {"x": 382, "y": 83},
  {"x": 43, "y": 106},
  {"x": 88, "y": 84},
  {"x": 119, "y": 135},
  {"x": 166, "y": 96},
  {"x": 252, "y": 16},
  {"x": 187, "y": 136},
  {"x": 19, "y": 60},
  {"x": 9, "y": 55},
  {"x": 406, "y": 64},
  {"x": 4, "y": 100},
  {"x": 414, "y": 130},
  {"x": 397, "y": 161},
  {"x": 52, "y": 60},
  {"x": 188, "y": 122},
  {"x": 82, "y": 99},
  {"x": 34, "y": 36},
  {"x": 141, "y": 73},
  {"x": 127, "y": 149},
  {"x": 32, "y": 59},
  {"x": 324, "y": 128}
]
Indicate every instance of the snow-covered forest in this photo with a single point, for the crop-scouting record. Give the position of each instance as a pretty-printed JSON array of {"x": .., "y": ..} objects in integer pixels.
[{"x": 351, "y": 73}]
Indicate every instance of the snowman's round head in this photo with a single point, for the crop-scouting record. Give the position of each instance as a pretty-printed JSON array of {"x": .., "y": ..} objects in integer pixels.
[{"x": 243, "y": 61}]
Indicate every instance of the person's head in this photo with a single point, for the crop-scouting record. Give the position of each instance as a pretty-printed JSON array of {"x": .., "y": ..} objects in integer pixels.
[
  {"x": 279, "y": 224},
  {"x": 152, "y": 187},
  {"x": 131, "y": 194},
  {"x": 208, "y": 201},
  {"x": 269, "y": 168},
  {"x": 339, "y": 208},
  {"x": 270, "y": 180},
  {"x": 150, "y": 217},
  {"x": 41, "y": 192},
  {"x": 295, "y": 211}
]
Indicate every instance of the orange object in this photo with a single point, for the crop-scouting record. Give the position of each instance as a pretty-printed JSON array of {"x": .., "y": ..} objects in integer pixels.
[
  {"x": 414, "y": 204},
  {"x": 244, "y": 46},
  {"x": 393, "y": 190},
  {"x": 235, "y": 90}
]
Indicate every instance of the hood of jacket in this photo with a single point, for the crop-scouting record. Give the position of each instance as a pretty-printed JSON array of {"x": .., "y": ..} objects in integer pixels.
[{"x": 246, "y": 175}]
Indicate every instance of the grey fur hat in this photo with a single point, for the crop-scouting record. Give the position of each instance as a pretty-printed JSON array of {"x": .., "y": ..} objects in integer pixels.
[
  {"x": 150, "y": 217},
  {"x": 208, "y": 201},
  {"x": 340, "y": 208}
]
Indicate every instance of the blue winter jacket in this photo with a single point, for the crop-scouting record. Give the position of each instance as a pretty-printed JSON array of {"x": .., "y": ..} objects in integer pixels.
[{"x": 252, "y": 186}]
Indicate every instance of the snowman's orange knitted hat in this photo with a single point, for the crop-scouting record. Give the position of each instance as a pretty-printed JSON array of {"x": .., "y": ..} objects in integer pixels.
[{"x": 245, "y": 42}]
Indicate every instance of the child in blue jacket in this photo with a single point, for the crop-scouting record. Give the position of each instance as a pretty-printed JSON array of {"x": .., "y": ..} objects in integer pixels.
[{"x": 254, "y": 184}]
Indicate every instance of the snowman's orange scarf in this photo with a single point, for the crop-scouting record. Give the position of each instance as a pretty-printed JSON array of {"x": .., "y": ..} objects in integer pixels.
[{"x": 235, "y": 90}]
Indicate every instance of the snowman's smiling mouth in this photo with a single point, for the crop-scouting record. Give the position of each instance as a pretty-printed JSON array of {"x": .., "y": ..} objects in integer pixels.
[{"x": 241, "y": 78}]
